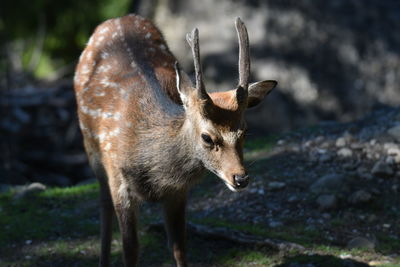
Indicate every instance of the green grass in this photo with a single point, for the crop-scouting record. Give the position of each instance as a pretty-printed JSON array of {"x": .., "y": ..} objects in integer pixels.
[
  {"x": 261, "y": 143},
  {"x": 53, "y": 212},
  {"x": 60, "y": 227},
  {"x": 245, "y": 257},
  {"x": 295, "y": 233}
]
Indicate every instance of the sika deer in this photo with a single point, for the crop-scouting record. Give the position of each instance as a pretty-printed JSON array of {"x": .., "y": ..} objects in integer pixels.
[{"x": 149, "y": 134}]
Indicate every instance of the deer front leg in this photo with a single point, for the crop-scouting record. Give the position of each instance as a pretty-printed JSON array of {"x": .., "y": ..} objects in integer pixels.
[
  {"x": 127, "y": 216},
  {"x": 127, "y": 225},
  {"x": 174, "y": 213}
]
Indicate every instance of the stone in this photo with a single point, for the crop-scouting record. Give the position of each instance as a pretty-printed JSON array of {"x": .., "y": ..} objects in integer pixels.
[
  {"x": 390, "y": 160},
  {"x": 261, "y": 191},
  {"x": 360, "y": 197},
  {"x": 293, "y": 199},
  {"x": 340, "y": 142},
  {"x": 326, "y": 157},
  {"x": 326, "y": 216},
  {"x": 280, "y": 142},
  {"x": 391, "y": 146},
  {"x": 29, "y": 190},
  {"x": 275, "y": 224},
  {"x": 327, "y": 202},
  {"x": 366, "y": 176},
  {"x": 395, "y": 132},
  {"x": 332, "y": 182},
  {"x": 350, "y": 166},
  {"x": 345, "y": 152},
  {"x": 274, "y": 186},
  {"x": 356, "y": 146},
  {"x": 361, "y": 242},
  {"x": 394, "y": 152},
  {"x": 382, "y": 169}
]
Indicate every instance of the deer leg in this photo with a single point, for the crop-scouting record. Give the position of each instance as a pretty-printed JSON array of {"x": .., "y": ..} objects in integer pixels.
[
  {"x": 174, "y": 213},
  {"x": 127, "y": 225},
  {"x": 106, "y": 208},
  {"x": 106, "y": 214}
]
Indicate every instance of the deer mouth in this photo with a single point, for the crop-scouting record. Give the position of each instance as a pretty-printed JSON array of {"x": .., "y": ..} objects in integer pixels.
[{"x": 233, "y": 188}]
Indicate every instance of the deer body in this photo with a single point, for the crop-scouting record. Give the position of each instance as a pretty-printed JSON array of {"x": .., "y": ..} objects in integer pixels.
[{"x": 148, "y": 133}]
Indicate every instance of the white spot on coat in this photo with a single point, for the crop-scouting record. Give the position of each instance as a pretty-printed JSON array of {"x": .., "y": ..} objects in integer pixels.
[
  {"x": 104, "y": 55},
  {"x": 99, "y": 40},
  {"x": 104, "y": 30},
  {"x": 89, "y": 54},
  {"x": 107, "y": 146}
]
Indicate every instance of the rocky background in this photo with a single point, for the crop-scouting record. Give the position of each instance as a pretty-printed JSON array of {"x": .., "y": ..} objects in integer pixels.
[{"x": 335, "y": 61}]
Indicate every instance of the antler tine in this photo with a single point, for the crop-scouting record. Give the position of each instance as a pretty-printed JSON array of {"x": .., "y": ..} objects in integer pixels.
[
  {"x": 244, "y": 54},
  {"x": 193, "y": 40}
]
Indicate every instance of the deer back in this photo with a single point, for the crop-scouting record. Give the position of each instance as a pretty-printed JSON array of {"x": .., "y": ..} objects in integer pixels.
[{"x": 125, "y": 79}]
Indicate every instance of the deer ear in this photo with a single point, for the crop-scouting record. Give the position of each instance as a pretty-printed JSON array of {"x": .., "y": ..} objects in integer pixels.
[
  {"x": 258, "y": 90},
  {"x": 183, "y": 84}
]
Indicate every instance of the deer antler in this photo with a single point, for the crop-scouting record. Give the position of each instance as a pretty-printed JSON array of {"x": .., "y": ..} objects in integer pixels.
[
  {"x": 193, "y": 40},
  {"x": 244, "y": 54}
]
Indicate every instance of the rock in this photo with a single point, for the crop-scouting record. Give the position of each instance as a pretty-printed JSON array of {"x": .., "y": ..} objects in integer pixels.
[
  {"x": 390, "y": 146},
  {"x": 363, "y": 173},
  {"x": 390, "y": 160},
  {"x": 280, "y": 142},
  {"x": 325, "y": 144},
  {"x": 356, "y": 146},
  {"x": 274, "y": 186},
  {"x": 395, "y": 132},
  {"x": 326, "y": 216},
  {"x": 361, "y": 242},
  {"x": 395, "y": 188},
  {"x": 326, "y": 157},
  {"x": 319, "y": 139},
  {"x": 327, "y": 202},
  {"x": 293, "y": 199},
  {"x": 332, "y": 182},
  {"x": 360, "y": 197},
  {"x": 393, "y": 150},
  {"x": 29, "y": 190},
  {"x": 372, "y": 218},
  {"x": 340, "y": 142},
  {"x": 275, "y": 224},
  {"x": 345, "y": 152},
  {"x": 350, "y": 166},
  {"x": 382, "y": 169}
]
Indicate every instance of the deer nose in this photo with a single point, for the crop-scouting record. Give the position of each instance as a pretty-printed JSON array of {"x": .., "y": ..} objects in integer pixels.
[{"x": 241, "y": 180}]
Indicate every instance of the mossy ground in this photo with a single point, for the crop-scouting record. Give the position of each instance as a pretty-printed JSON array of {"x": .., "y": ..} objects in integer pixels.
[{"x": 60, "y": 227}]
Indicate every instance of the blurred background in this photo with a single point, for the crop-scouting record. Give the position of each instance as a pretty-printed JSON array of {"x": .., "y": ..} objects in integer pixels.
[{"x": 334, "y": 60}]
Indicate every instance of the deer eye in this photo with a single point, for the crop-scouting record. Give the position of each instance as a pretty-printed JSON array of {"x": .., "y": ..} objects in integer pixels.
[{"x": 207, "y": 139}]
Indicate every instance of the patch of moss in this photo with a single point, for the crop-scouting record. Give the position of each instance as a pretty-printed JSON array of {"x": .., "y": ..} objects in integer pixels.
[{"x": 51, "y": 213}]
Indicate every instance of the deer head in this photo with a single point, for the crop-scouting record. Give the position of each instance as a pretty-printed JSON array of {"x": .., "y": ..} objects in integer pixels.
[{"x": 216, "y": 120}]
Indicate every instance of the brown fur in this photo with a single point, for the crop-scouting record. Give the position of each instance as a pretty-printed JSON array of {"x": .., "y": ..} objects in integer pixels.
[{"x": 141, "y": 141}]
